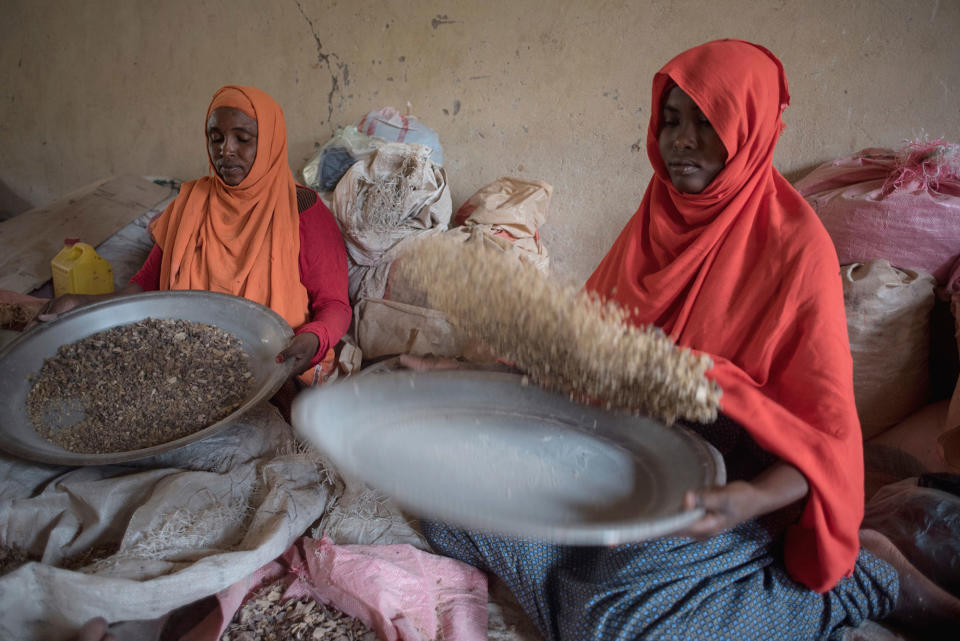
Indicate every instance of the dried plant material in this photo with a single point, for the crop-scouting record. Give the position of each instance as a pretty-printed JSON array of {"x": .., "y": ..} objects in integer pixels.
[
  {"x": 192, "y": 534},
  {"x": 562, "y": 338},
  {"x": 89, "y": 557},
  {"x": 139, "y": 385},
  {"x": 266, "y": 617},
  {"x": 12, "y": 557},
  {"x": 15, "y": 316},
  {"x": 383, "y": 200}
]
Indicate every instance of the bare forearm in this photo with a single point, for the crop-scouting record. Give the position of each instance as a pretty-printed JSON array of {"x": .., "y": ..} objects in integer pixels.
[
  {"x": 779, "y": 485},
  {"x": 130, "y": 288},
  {"x": 724, "y": 507},
  {"x": 66, "y": 302}
]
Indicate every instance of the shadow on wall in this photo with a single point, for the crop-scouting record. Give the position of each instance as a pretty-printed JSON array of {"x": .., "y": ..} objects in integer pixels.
[
  {"x": 10, "y": 203},
  {"x": 795, "y": 175}
]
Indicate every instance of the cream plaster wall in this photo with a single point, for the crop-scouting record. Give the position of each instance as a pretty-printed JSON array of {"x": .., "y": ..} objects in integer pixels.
[{"x": 537, "y": 88}]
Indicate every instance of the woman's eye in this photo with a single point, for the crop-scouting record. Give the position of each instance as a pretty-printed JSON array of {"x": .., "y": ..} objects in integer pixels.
[
  {"x": 243, "y": 140},
  {"x": 670, "y": 123},
  {"x": 216, "y": 139}
]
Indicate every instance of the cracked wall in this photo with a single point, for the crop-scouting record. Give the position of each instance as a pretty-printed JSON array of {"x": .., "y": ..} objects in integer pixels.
[{"x": 552, "y": 90}]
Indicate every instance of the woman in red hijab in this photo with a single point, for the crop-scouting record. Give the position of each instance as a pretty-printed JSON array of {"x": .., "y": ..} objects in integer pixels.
[
  {"x": 249, "y": 230},
  {"x": 726, "y": 257}
]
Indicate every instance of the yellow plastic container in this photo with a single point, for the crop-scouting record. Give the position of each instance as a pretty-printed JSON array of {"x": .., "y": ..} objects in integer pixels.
[{"x": 79, "y": 269}]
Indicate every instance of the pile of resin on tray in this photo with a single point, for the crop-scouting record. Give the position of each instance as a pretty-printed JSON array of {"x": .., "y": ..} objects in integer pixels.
[
  {"x": 561, "y": 337},
  {"x": 139, "y": 385},
  {"x": 266, "y": 616}
]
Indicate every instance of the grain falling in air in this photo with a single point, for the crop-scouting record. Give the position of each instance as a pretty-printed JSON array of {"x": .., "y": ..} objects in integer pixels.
[{"x": 559, "y": 336}]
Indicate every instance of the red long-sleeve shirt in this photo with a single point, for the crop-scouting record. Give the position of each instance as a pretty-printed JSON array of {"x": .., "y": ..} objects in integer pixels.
[{"x": 323, "y": 271}]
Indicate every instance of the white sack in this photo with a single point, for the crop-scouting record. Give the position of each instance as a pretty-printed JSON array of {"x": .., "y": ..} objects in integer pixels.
[
  {"x": 393, "y": 196},
  {"x": 190, "y": 523}
]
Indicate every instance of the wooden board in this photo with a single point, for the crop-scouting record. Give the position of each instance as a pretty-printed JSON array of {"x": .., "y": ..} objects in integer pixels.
[{"x": 93, "y": 213}]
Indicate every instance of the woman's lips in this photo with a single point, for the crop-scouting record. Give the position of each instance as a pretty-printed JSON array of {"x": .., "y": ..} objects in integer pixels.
[
  {"x": 683, "y": 167},
  {"x": 231, "y": 173}
]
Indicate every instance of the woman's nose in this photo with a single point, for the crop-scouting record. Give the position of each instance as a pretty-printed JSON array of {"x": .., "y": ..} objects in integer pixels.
[{"x": 686, "y": 137}]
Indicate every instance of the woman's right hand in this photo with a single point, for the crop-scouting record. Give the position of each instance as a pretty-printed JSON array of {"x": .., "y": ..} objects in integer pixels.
[
  {"x": 59, "y": 305},
  {"x": 66, "y": 302},
  {"x": 62, "y": 304}
]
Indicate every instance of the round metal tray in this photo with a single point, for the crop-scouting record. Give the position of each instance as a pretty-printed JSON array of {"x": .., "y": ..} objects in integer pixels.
[
  {"x": 262, "y": 332},
  {"x": 482, "y": 450}
]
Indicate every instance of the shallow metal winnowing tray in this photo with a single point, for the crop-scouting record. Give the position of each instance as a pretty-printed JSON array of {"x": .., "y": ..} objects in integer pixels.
[
  {"x": 262, "y": 332},
  {"x": 483, "y": 450}
]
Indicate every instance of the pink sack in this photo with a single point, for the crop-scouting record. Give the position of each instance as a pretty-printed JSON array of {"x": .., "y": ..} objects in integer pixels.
[
  {"x": 901, "y": 206},
  {"x": 398, "y": 591}
]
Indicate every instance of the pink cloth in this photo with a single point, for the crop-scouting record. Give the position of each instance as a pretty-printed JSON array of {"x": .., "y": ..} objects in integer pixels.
[
  {"x": 398, "y": 591},
  {"x": 900, "y": 206}
]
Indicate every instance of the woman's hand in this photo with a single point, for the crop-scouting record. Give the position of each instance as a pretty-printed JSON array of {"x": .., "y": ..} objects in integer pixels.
[
  {"x": 95, "y": 630},
  {"x": 60, "y": 305},
  {"x": 66, "y": 302},
  {"x": 300, "y": 351},
  {"x": 726, "y": 507}
]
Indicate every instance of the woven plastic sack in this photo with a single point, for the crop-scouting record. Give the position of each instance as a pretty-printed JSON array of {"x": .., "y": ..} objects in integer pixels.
[
  {"x": 401, "y": 290},
  {"x": 398, "y": 591},
  {"x": 514, "y": 209},
  {"x": 888, "y": 321},
  {"x": 391, "y": 125},
  {"x": 902, "y": 206},
  {"x": 155, "y": 534},
  {"x": 393, "y": 197},
  {"x": 388, "y": 328},
  {"x": 327, "y": 167}
]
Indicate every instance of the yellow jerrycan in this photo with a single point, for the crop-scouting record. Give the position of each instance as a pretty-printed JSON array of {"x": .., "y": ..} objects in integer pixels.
[{"x": 79, "y": 269}]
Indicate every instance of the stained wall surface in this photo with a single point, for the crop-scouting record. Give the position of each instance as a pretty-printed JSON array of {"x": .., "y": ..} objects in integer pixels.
[{"x": 548, "y": 89}]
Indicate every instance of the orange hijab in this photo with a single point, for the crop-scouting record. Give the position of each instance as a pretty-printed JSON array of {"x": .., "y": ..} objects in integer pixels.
[
  {"x": 242, "y": 240},
  {"x": 745, "y": 272}
]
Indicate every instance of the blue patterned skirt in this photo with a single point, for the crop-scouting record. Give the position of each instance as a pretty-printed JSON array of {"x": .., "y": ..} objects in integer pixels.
[{"x": 731, "y": 586}]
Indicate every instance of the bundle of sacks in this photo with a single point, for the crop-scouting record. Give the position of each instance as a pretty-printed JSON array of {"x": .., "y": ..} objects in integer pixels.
[
  {"x": 385, "y": 184},
  {"x": 894, "y": 217}
]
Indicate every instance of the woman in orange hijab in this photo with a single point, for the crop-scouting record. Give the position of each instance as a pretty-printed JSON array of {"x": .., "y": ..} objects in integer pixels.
[
  {"x": 249, "y": 230},
  {"x": 726, "y": 257}
]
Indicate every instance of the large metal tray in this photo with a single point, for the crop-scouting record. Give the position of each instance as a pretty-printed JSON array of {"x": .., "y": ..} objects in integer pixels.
[
  {"x": 263, "y": 334},
  {"x": 485, "y": 451}
]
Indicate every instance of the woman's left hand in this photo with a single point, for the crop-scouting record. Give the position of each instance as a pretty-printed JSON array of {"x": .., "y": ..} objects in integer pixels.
[
  {"x": 725, "y": 507},
  {"x": 301, "y": 351},
  {"x": 779, "y": 485}
]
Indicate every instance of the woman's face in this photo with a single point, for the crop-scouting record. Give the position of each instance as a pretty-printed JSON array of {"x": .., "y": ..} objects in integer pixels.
[
  {"x": 690, "y": 148},
  {"x": 232, "y": 143}
]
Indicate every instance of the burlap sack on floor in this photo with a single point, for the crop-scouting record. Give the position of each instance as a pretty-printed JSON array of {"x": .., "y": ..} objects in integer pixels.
[{"x": 888, "y": 321}]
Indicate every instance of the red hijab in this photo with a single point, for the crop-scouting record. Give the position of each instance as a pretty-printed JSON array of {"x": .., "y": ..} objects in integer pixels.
[
  {"x": 242, "y": 240},
  {"x": 745, "y": 272}
]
